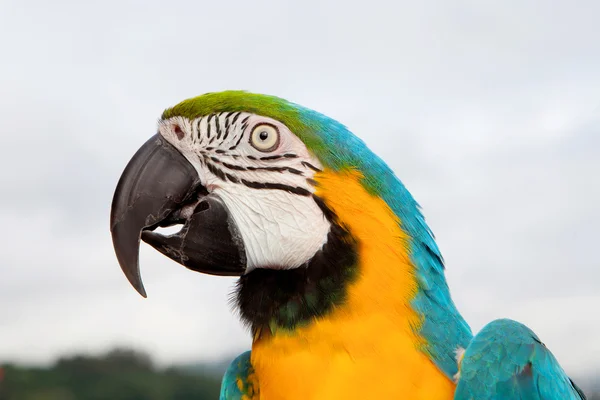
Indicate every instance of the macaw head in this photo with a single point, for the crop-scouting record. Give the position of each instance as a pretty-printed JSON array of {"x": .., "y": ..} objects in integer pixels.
[
  {"x": 229, "y": 167},
  {"x": 282, "y": 196}
]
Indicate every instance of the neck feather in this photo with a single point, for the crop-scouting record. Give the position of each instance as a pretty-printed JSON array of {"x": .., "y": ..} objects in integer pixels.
[{"x": 276, "y": 299}]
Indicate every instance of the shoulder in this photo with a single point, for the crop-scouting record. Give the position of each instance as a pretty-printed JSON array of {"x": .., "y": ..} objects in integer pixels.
[
  {"x": 239, "y": 381},
  {"x": 507, "y": 360}
]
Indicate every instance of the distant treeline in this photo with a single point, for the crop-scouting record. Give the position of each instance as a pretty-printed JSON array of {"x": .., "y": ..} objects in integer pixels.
[
  {"x": 121, "y": 374},
  {"x": 118, "y": 375}
]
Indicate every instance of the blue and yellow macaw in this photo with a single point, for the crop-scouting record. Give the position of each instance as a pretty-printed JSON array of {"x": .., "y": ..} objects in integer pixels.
[{"x": 340, "y": 279}]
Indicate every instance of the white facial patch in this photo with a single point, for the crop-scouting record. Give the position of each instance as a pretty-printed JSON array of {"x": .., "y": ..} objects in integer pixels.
[
  {"x": 268, "y": 191},
  {"x": 280, "y": 230}
]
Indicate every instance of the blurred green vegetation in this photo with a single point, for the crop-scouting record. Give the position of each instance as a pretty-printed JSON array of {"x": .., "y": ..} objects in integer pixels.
[
  {"x": 125, "y": 374},
  {"x": 120, "y": 374}
]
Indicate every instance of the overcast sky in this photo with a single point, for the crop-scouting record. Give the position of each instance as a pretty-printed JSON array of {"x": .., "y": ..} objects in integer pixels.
[{"x": 489, "y": 111}]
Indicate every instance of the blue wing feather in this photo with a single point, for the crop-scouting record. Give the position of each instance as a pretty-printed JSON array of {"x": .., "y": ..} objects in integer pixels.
[
  {"x": 235, "y": 383},
  {"x": 506, "y": 360}
]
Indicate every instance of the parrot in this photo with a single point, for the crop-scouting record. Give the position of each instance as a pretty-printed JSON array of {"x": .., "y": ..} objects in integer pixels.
[{"x": 339, "y": 278}]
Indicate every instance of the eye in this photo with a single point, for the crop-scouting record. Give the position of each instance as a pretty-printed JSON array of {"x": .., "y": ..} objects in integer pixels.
[{"x": 264, "y": 137}]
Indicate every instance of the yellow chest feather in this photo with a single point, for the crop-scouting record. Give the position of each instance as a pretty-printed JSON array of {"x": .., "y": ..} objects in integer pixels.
[{"x": 367, "y": 348}]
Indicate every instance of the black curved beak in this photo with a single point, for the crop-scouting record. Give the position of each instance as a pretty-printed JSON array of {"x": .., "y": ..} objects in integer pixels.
[{"x": 159, "y": 187}]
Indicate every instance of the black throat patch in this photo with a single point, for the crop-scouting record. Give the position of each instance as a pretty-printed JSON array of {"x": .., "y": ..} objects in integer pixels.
[{"x": 284, "y": 299}]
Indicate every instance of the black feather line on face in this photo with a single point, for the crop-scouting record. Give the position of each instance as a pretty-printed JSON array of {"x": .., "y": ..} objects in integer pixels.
[
  {"x": 237, "y": 115},
  {"x": 251, "y": 168},
  {"x": 238, "y": 141},
  {"x": 284, "y": 299},
  {"x": 198, "y": 128},
  {"x": 208, "y": 125},
  {"x": 224, "y": 176},
  {"x": 276, "y": 169},
  {"x": 279, "y": 186},
  {"x": 233, "y": 167},
  {"x": 277, "y": 157},
  {"x": 226, "y": 127},
  {"x": 309, "y": 165},
  {"x": 216, "y": 171},
  {"x": 218, "y": 127}
]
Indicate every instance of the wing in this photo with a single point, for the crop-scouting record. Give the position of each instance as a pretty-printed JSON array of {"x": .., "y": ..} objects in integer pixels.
[
  {"x": 506, "y": 360},
  {"x": 239, "y": 380}
]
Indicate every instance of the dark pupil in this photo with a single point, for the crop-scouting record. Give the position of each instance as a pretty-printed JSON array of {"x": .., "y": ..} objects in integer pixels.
[{"x": 263, "y": 135}]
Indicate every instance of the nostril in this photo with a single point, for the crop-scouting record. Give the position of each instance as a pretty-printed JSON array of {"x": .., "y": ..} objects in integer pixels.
[{"x": 178, "y": 131}]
